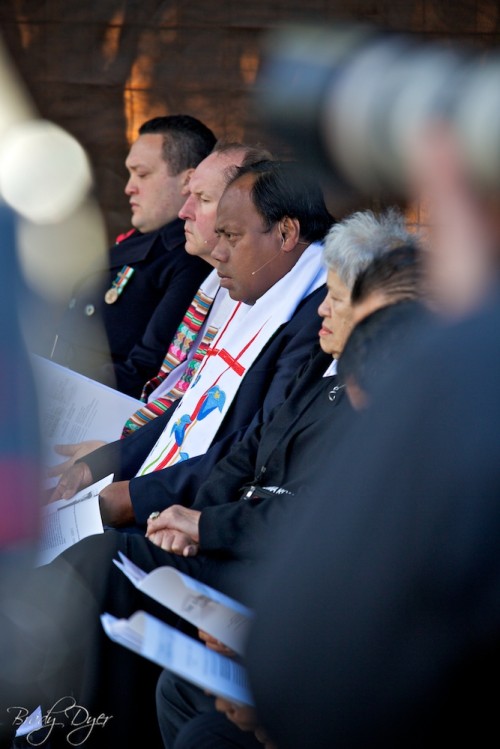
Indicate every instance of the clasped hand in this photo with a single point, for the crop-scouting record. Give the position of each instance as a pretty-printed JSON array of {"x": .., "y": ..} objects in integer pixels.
[{"x": 176, "y": 529}]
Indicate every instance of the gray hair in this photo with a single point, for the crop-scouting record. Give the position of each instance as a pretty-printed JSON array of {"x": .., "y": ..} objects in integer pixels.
[{"x": 351, "y": 244}]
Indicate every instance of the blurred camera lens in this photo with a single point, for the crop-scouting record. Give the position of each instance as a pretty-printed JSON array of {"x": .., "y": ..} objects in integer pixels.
[{"x": 351, "y": 101}]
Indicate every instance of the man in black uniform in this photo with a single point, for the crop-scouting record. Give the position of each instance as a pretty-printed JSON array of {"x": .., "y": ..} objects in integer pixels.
[{"x": 141, "y": 298}]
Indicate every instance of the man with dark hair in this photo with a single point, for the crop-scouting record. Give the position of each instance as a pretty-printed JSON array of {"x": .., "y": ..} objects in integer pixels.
[
  {"x": 394, "y": 278},
  {"x": 287, "y": 185},
  {"x": 139, "y": 301},
  {"x": 186, "y": 140},
  {"x": 289, "y": 214}
]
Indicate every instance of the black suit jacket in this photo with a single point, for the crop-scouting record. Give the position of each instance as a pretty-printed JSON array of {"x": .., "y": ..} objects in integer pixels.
[
  {"x": 266, "y": 385},
  {"x": 136, "y": 330},
  {"x": 273, "y": 466}
]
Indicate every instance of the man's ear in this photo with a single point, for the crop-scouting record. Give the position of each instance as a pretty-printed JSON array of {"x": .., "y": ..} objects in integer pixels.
[
  {"x": 290, "y": 233},
  {"x": 185, "y": 177}
]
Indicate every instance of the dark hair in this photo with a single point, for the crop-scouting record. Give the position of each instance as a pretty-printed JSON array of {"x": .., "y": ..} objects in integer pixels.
[
  {"x": 186, "y": 140},
  {"x": 375, "y": 341},
  {"x": 397, "y": 274},
  {"x": 283, "y": 188}
]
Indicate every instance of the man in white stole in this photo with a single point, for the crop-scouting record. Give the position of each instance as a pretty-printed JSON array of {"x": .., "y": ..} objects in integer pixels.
[
  {"x": 268, "y": 294},
  {"x": 268, "y": 267},
  {"x": 192, "y": 427}
]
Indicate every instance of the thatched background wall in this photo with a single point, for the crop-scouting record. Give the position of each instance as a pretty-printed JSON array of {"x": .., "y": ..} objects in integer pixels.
[{"x": 101, "y": 67}]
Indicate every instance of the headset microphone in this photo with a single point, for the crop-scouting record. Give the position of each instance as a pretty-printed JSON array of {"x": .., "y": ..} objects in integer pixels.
[
  {"x": 263, "y": 266},
  {"x": 271, "y": 259}
]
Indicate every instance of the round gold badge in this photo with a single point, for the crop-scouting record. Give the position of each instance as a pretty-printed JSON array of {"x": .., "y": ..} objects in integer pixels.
[{"x": 111, "y": 296}]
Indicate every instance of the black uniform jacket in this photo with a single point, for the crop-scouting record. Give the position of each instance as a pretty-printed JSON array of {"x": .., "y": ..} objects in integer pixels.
[{"x": 135, "y": 330}]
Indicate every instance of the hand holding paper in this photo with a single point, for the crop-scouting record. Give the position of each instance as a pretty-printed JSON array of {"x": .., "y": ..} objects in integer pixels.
[
  {"x": 65, "y": 522},
  {"x": 216, "y": 645},
  {"x": 74, "y": 479},
  {"x": 73, "y": 453}
]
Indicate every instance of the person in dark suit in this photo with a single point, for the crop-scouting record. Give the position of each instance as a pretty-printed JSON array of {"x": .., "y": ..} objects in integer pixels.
[
  {"x": 400, "y": 599},
  {"x": 141, "y": 298},
  {"x": 388, "y": 635}
]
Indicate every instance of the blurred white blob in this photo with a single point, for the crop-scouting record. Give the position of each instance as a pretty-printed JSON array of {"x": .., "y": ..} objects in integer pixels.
[{"x": 44, "y": 171}]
